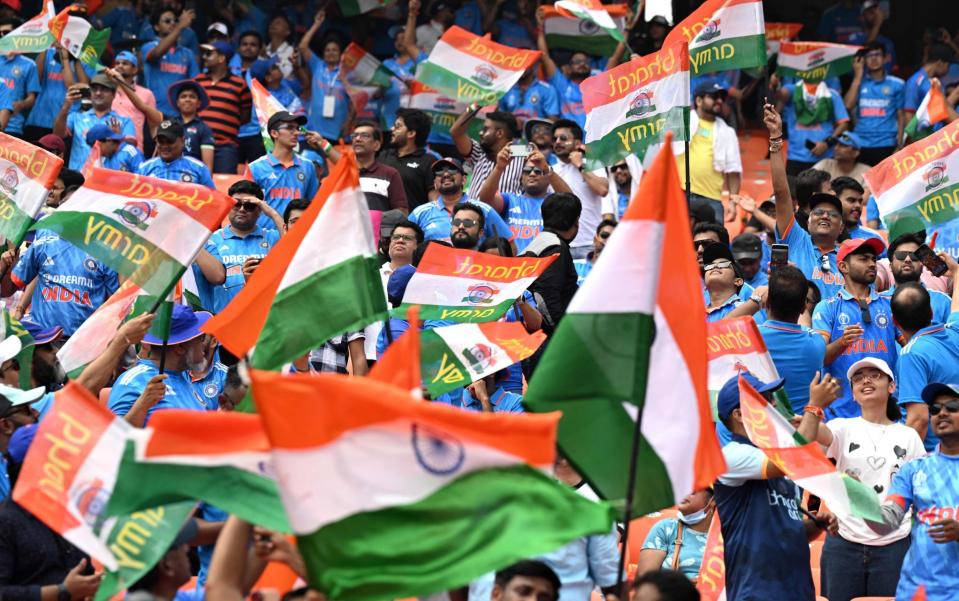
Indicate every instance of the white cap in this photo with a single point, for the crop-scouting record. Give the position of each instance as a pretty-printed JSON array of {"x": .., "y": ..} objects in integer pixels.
[
  {"x": 21, "y": 397},
  {"x": 870, "y": 362},
  {"x": 10, "y": 348},
  {"x": 220, "y": 27}
]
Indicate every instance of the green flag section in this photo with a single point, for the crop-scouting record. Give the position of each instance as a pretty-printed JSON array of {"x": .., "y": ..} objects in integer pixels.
[
  {"x": 320, "y": 280},
  {"x": 456, "y": 356},
  {"x": 12, "y": 327},
  {"x": 448, "y": 495},
  {"x": 932, "y": 111},
  {"x": 572, "y": 33},
  {"x": 27, "y": 173},
  {"x": 472, "y": 68},
  {"x": 78, "y": 36},
  {"x": 593, "y": 12},
  {"x": 352, "y": 8},
  {"x": 32, "y": 37},
  {"x": 147, "y": 229},
  {"x": 631, "y": 106},
  {"x": 94, "y": 335},
  {"x": 221, "y": 458},
  {"x": 918, "y": 187},
  {"x": 462, "y": 285},
  {"x": 636, "y": 354},
  {"x": 815, "y": 61},
  {"x": 804, "y": 462},
  {"x": 723, "y": 35},
  {"x": 363, "y": 69},
  {"x": 162, "y": 309}
]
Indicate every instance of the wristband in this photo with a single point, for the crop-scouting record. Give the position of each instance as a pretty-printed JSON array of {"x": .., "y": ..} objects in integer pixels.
[
  {"x": 818, "y": 412},
  {"x": 326, "y": 147},
  {"x": 779, "y": 137}
]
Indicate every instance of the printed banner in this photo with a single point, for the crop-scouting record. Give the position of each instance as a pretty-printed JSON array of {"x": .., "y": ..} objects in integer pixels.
[
  {"x": 711, "y": 583},
  {"x": 32, "y": 37},
  {"x": 815, "y": 61},
  {"x": 27, "y": 173},
  {"x": 780, "y": 32},
  {"x": 266, "y": 105}
]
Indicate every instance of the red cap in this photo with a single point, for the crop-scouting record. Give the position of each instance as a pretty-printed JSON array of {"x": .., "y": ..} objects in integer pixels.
[
  {"x": 14, "y": 4},
  {"x": 850, "y": 246}
]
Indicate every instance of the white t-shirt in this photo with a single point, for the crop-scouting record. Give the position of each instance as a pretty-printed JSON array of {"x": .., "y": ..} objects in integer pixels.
[
  {"x": 592, "y": 203},
  {"x": 873, "y": 453}
]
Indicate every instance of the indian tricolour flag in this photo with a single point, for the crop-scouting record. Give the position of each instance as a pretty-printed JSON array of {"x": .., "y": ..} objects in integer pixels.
[
  {"x": 932, "y": 110},
  {"x": 458, "y": 355},
  {"x": 634, "y": 355},
  {"x": 266, "y": 105},
  {"x": 462, "y": 285},
  {"x": 631, "y": 106},
  {"x": 594, "y": 12},
  {"x": 473, "y": 68},
  {"x": 78, "y": 36},
  {"x": 776, "y": 33},
  {"x": 916, "y": 188},
  {"x": 723, "y": 35},
  {"x": 95, "y": 334},
  {"x": 363, "y": 69},
  {"x": 147, "y": 229},
  {"x": 443, "y": 110},
  {"x": 815, "y": 61},
  {"x": 447, "y": 495},
  {"x": 583, "y": 35},
  {"x": 804, "y": 462},
  {"x": 221, "y": 458},
  {"x": 320, "y": 280},
  {"x": 352, "y": 8},
  {"x": 33, "y": 36},
  {"x": 27, "y": 173}
]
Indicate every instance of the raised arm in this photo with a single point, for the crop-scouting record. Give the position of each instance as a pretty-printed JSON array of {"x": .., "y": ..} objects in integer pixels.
[
  {"x": 852, "y": 94},
  {"x": 489, "y": 191},
  {"x": 777, "y": 166},
  {"x": 60, "y": 123},
  {"x": 153, "y": 116},
  {"x": 458, "y": 131},
  {"x": 169, "y": 40},
  {"x": 549, "y": 66},
  {"x": 308, "y": 36},
  {"x": 409, "y": 31},
  {"x": 96, "y": 375}
]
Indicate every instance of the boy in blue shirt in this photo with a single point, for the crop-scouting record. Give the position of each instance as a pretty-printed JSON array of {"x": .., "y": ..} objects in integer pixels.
[
  {"x": 115, "y": 153},
  {"x": 530, "y": 98},
  {"x": 917, "y": 86},
  {"x": 166, "y": 60},
  {"x": 76, "y": 123},
  {"x": 876, "y": 100}
]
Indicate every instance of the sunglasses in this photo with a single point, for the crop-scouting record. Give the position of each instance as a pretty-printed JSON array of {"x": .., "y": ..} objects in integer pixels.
[
  {"x": 464, "y": 222},
  {"x": 718, "y": 265},
  {"x": 249, "y": 207},
  {"x": 697, "y": 244},
  {"x": 533, "y": 170},
  {"x": 902, "y": 255},
  {"x": 445, "y": 171},
  {"x": 623, "y": 167},
  {"x": 950, "y": 406},
  {"x": 288, "y": 127},
  {"x": 402, "y": 238},
  {"x": 564, "y": 138},
  {"x": 825, "y": 213}
]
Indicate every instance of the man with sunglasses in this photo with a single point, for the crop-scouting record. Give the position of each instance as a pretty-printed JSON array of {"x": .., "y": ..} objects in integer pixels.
[
  {"x": 926, "y": 488},
  {"x": 281, "y": 174},
  {"x": 856, "y": 323},
  {"x": 585, "y": 266},
  {"x": 877, "y": 100},
  {"x": 906, "y": 267},
  {"x": 623, "y": 180},
  {"x": 166, "y": 60},
  {"x": 232, "y": 253},
  {"x": 171, "y": 163}
]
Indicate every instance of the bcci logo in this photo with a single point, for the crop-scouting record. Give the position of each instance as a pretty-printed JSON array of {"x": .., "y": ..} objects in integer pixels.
[
  {"x": 480, "y": 294},
  {"x": 587, "y": 27},
  {"x": 90, "y": 500},
  {"x": 137, "y": 213},
  {"x": 10, "y": 179},
  {"x": 881, "y": 320},
  {"x": 641, "y": 104},
  {"x": 935, "y": 175},
  {"x": 817, "y": 58},
  {"x": 480, "y": 357},
  {"x": 710, "y": 30},
  {"x": 484, "y": 75}
]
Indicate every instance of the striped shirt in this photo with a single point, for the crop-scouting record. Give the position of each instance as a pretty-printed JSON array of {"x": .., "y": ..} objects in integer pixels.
[
  {"x": 229, "y": 99},
  {"x": 482, "y": 166}
]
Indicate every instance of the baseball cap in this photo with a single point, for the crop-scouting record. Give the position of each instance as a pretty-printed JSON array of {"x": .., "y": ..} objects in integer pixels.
[
  {"x": 389, "y": 220},
  {"x": 447, "y": 161},
  {"x": 870, "y": 362},
  {"x": 747, "y": 246},
  {"x": 867, "y": 4},
  {"x": 40, "y": 334},
  {"x": 20, "y": 442},
  {"x": 438, "y": 8},
  {"x": 127, "y": 56},
  {"x": 531, "y": 123},
  {"x": 850, "y": 139},
  {"x": 184, "y": 326},
  {"x": 219, "y": 27},
  {"x": 710, "y": 87},
  {"x": 820, "y": 198},
  {"x": 728, "y": 398},
  {"x": 170, "y": 130},
  {"x": 220, "y": 47},
  {"x": 52, "y": 142},
  {"x": 11, "y": 397},
  {"x": 10, "y": 348},
  {"x": 101, "y": 79},
  {"x": 396, "y": 285},
  {"x": 284, "y": 117},
  {"x": 659, "y": 20},
  {"x": 851, "y": 246},
  {"x": 100, "y": 132},
  {"x": 933, "y": 391},
  {"x": 716, "y": 252},
  {"x": 261, "y": 67},
  {"x": 173, "y": 92}
]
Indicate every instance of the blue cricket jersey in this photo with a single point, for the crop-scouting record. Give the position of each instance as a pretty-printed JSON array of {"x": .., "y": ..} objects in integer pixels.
[
  {"x": 798, "y": 353},
  {"x": 283, "y": 183},
  {"x": 876, "y": 110},
  {"x": 80, "y": 122},
  {"x": 180, "y": 392},
  {"x": 570, "y": 98},
  {"x": 435, "y": 220},
  {"x": 183, "y": 169},
  {"x": 232, "y": 251},
  {"x": 176, "y": 63},
  {"x": 809, "y": 259},
  {"x": 325, "y": 83},
  {"x": 916, "y": 89},
  {"x": 52, "y": 90},
  {"x": 539, "y": 100},
  {"x": 817, "y": 132},
  {"x": 524, "y": 216},
  {"x": 931, "y": 355},
  {"x": 19, "y": 74},
  {"x": 127, "y": 158}
]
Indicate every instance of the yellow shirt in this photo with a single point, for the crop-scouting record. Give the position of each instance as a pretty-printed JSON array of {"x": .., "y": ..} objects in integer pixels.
[{"x": 706, "y": 181}]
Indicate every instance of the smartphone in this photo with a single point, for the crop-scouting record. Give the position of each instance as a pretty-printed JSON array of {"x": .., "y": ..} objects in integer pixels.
[
  {"x": 85, "y": 92},
  {"x": 931, "y": 261},
  {"x": 810, "y": 144},
  {"x": 779, "y": 257},
  {"x": 519, "y": 150}
]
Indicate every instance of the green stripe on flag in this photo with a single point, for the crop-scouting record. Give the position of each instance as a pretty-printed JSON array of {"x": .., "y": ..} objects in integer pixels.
[
  {"x": 602, "y": 45},
  {"x": 164, "y": 313},
  {"x": 15, "y": 222},
  {"x": 441, "y": 370},
  {"x": 634, "y": 137},
  {"x": 728, "y": 54},
  {"x": 13, "y": 327},
  {"x": 454, "y": 85},
  {"x": 936, "y": 208},
  {"x": 458, "y": 313},
  {"x": 862, "y": 500},
  {"x": 820, "y": 72}
]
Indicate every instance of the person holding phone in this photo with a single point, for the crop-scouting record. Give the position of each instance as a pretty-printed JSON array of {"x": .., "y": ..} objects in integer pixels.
[{"x": 77, "y": 121}]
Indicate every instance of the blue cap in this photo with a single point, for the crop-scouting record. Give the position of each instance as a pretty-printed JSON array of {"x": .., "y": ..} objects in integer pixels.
[
  {"x": 396, "y": 286},
  {"x": 224, "y": 48},
  {"x": 850, "y": 139},
  {"x": 20, "y": 442},
  {"x": 933, "y": 391},
  {"x": 710, "y": 87},
  {"x": 102, "y": 132},
  {"x": 728, "y": 398},
  {"x": 40, "y": 334},
  {"x": 173, "y": 92},
  {"x": 260, "y": 68},
  {"x": 184, "y": 326},
  {"x": 126, "y": 55}
]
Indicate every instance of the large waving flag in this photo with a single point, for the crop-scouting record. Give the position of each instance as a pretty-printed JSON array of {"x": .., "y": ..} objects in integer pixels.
[
  {"x": 631, "y": 106},
  {"x": 636, "y": 354},
  {"x": 78, "y": 36},
  {"x": 266, "y": 105},
  {"x": 815, "y": 61},
  {"x": 472, "y": 68},
  {"x": 363, "y": 69},
  {"x": 594, "y": 12},
  {"x": 711, "y": 582},
  {"x": 147, "y": 229},
  {"x": 932, "y": 111},
  {"x": 723, "y": 35},
  {"x": 776, "y": 33},
  {"x": 804, "y": 462},
  {"x": 320, "y": 280},
  {"x": 27, "y": 173},
  {"x": 33, "y": 36},
  {"x": 583, "y": 35},
  {"x": 447, "y": 495}
]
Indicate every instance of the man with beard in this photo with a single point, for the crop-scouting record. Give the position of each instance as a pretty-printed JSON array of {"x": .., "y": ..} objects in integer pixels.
[
  {"x": 567, "y": 85},
  {"x": 141, "y": 390},
  {"x": 434, "y": 217},
  {"x": 539, "y": 132},
  {"x": 857, "y": 322},
  {"x": 170, "y": 163},
  {"x": 584, "y": 266},
  {"x": 407, "y": 154},
  {"x": 851, "y": 195},
  {"x": 466, "y": 225},
  {"x": 499, "y": 130},
  {"x": 906, "y": 267},
  {"x": 590, "y": 187},
  {"x": 74, "y": 121}
]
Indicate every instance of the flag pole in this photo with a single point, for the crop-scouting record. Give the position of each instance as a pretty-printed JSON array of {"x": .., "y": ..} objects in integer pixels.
[
  {"x": 628, "y": 514},
  {"x": 688, "y": 184}
]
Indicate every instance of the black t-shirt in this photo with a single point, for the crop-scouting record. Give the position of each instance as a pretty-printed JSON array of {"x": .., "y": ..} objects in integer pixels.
[{"x": 416, "y": 169}]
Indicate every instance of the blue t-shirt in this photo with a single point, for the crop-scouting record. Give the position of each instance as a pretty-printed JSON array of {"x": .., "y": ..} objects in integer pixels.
[
  {"x": 512, "y": 34},
  {"x": 183, "y": 169},
  {"x": 916, "y": 89},
  {"x": 720, "y": 312},
  {"x": 872, "y": 211},
  {"x": 123, "y": 24},
  {"x": 80, "y": 122},
  {"x": 232, "y": 250},
  {"x": 817, "y": 132},
  {"x": 127, "y": 158},
  {"x": 435, "y": 220},
  {"x": 932, "y": 355},
  {"x": 4, "y": 479},
  {"x": 212, "y": 384},
  {"x": 831, "y": 317},
  {"x": 662, "y": 537},
  {"x": 798, "y": 353},
  {"x": 325, "y": 83},
  {"x": 187, "y": 39},
  {"x": 927, "y": 485},
  {"x": 809, "y": 259},
  {"x": 760, "y": 279},
  {"x": 282, "y": 184},
  {"x": 583, "y": 268},
  {"x": 470, "y": 17},
  {"x": 861, "y": 39},
  {"x": 179, "y": 62},
  {"x": 71, "y": 286},
  {"x": 19, "y": 74},
  {"x": 52, "y": 90},
  {"x": 877, "y": 117},
  {"x": 204, "y": 553},
  {"x": 501, "y": 400},
  {"x": 839, "y": 22},
  {"x": 180, "y": 392},
  {"x": 539, "y": 100},
  {"x": 524, "y": 216},
  {"x": 570, "y": 98},
  {"x": 196, "y": 134}
]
